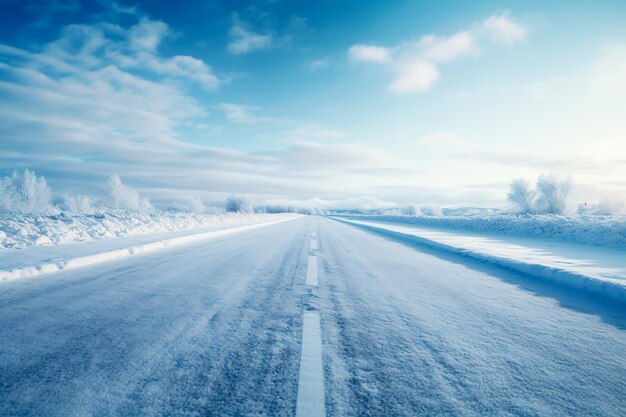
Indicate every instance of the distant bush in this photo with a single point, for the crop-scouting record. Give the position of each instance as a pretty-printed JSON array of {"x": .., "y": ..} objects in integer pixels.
[
  {"x": 126, "y": 198},
  {"x": 196, "y": 205},
  {"x": 609, "y": 207},
  {"x": 431, "y": 211},
  {"x": 239, "y": 204},
  {"x": 410, "y": 211},
  {"x": 24, "y": 193},
  {"x": 521, "y": 195}
]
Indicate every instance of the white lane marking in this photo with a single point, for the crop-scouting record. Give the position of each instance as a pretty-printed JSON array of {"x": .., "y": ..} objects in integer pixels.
[
  {"x": 311, "y": 271},
  {"x": 313, "y": 234},
  {"x": 313, "y": 244},
  {"x": 310, "y": 402}
]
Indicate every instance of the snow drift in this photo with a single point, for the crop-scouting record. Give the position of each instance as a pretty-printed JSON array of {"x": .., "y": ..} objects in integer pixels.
[
  {"x": 68, "y": 262},
  {"x": 606, "y": 282},
  {"x": 21, "y": 231},
  {"x": 595, "y": 230}
]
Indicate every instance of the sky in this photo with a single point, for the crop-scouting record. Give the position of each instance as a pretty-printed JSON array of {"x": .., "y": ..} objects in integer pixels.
[{"x": 325, "y": 104}]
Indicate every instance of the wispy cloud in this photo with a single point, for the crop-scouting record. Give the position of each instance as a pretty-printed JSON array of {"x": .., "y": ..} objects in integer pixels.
[
  {"x": 369, "y": 53},
  {"x": 319, "y": 64},
  {"x": 241, "y": 114},
  {"x": 415, "y": 64},
  {"x": 100, "y": 92},
  {"x": 244, "y": 39},
  {"x": 500, "y": 28}
]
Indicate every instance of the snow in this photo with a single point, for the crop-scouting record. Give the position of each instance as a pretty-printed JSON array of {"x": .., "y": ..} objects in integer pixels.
[
  {"x": 21, "y": 231},
  {"x": 216, "y": 328},
  {"x": 66, "y": 257},
  {"x": 592, "y": 269},
  {"x": 414, "y": 332},
  {"x": 595, "y": 230}
]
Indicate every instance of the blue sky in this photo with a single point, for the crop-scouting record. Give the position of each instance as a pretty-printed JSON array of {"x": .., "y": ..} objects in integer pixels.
[{"x": 326, "y": 103}]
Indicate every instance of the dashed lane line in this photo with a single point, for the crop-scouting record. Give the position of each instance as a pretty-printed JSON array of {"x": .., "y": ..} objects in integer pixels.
[
  {"x": 310, "y": 401},
  {"x": 311, "y": 271}
]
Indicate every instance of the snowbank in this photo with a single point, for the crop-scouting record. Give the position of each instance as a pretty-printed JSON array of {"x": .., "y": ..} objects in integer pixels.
[
  {"x": 20, "y": 231},
  {"x": 595, "y": 230},
  {"x": 72, "y": 262},
  {"x": 573, "y": 273}
]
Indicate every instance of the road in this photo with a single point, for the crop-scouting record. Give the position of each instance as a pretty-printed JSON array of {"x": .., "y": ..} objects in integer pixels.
[{"x": 216, "y": 329}]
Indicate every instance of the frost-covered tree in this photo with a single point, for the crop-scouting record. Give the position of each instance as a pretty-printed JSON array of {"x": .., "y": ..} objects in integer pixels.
[
  {"x": 553, "y": 194},
  {"x": 24, "y": 193},
  {"x": 239, "y": 204},
  {"x": 124, "y": 197},
  {"x": 522, "y": 195}
]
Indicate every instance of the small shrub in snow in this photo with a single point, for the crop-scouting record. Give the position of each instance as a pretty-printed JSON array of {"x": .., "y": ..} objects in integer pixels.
[
  {"x": 239, "y": 204},
  {"x": 80, "y": 204},
  {"x": 608, "y": 207},
  {"x": 521, "y": 195},
  {"x": 196, "y": 205},
  {"x": 431, "y": 211},
  {"x": 553, "y": 194},
  {"x": 126, "y": 198},
  {"x": 410, "y": 211},
  {"x": 278, "y": 208},
  {"x": 24, "y": 193}
]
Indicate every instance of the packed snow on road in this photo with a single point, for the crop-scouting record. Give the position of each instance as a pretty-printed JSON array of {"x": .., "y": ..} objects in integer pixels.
[{"x": 290, "y": 314}]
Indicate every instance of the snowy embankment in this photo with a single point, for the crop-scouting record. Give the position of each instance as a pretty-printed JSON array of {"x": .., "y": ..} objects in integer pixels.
[
  {"x": 40, "y": 249},
  {"x": 594, "y": 230},
  {"x": 592, "y": 269},
  {"x": 32, "y": 230}
]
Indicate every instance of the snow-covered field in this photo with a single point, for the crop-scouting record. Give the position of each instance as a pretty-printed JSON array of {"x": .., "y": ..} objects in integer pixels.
[
  {"x": 21, "y": 231},
  {"x": 587, "y": 229}
]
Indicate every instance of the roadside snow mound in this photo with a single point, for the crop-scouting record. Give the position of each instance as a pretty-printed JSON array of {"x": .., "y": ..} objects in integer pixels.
[
  {"x": 19, "y": 231},
  {"x": 584, "y": 274},
  {"x": 594, "y": 230}
]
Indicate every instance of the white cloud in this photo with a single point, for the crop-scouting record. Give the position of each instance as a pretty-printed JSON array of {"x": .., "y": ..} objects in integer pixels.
[
  {"x": 99, "y": 96},
  {"x": 318, "y": 64},
  {"x": 95, "y": 46},
  {"x": 369, "y": 53},
  {"x": 241, "y": 114},
  {"x": 244, "y": 40},
  {"x": 147, "y": 35},
  {"x": 442, "y": 49},
  {"x": 184, "y": 66},
  {"x": 413, "y": 77},
  {"x": 500, "y": 28},
  {"x": 415, "y": 64}
]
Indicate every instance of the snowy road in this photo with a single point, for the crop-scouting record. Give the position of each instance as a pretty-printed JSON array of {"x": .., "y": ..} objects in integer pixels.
[{"x": 216, "y": 328}]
